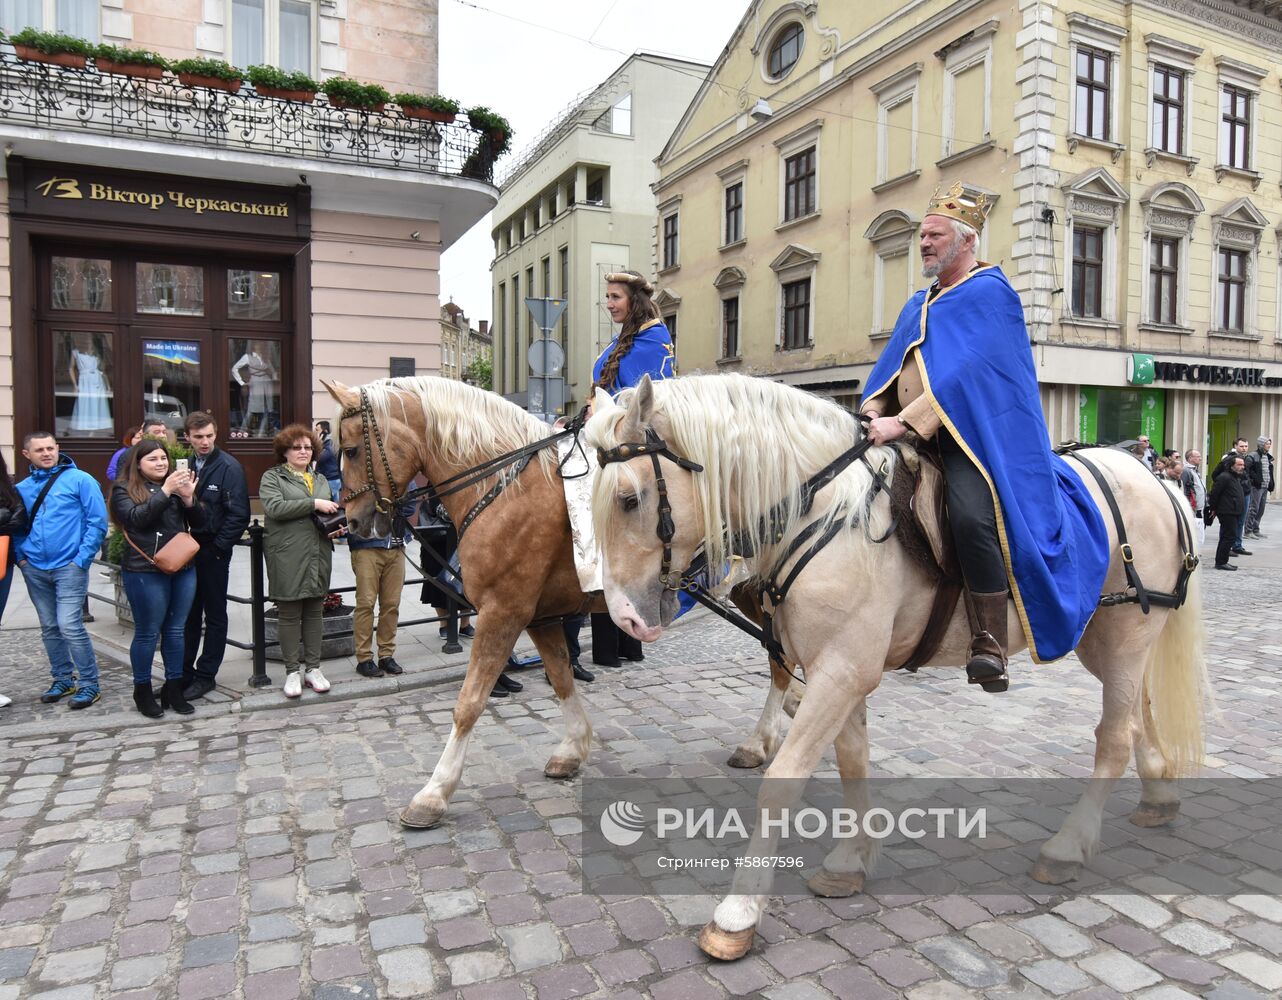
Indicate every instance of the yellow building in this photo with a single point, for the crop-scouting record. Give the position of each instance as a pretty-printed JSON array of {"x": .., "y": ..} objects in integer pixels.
[
  {"x": 461, "y": 344},
  {"x": 1131, "y": 150}
]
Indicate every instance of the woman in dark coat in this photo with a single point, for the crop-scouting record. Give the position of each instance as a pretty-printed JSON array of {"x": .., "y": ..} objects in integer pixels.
[
  {"x": 152, "y": 503},
  {"x": 299, "y": 558},
  {"x": 13, "y": 521}
]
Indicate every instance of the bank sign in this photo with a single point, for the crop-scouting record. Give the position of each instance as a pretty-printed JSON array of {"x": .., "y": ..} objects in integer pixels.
[{"x": 1143, "y": 369}]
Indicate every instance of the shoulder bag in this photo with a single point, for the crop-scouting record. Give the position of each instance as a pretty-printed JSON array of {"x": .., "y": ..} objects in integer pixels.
[{"x": 174, "y": 555}]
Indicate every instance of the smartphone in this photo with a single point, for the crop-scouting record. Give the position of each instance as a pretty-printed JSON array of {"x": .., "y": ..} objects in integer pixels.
[{"x": 180, "y": 465}]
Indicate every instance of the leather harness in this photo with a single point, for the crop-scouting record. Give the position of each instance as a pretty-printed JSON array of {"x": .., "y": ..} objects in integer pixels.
[{"x": 815, "y": 536}]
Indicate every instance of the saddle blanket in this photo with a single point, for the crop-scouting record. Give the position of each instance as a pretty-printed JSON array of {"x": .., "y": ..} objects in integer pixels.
[{"x": 578, "y": 471}]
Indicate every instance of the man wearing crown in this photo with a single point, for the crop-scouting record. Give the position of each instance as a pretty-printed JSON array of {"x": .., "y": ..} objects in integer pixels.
[{"x": 958, "y": 373}]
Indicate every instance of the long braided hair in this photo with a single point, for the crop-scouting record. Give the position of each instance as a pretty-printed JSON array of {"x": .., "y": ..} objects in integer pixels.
[{"x": 641, "y": 310}]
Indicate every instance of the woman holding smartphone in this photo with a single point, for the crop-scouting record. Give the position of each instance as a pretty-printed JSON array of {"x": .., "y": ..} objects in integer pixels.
[{"x": 151, "y": 505}]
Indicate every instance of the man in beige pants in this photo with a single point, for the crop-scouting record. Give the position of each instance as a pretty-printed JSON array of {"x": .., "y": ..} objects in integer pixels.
[{"x": 379, "y": 565}]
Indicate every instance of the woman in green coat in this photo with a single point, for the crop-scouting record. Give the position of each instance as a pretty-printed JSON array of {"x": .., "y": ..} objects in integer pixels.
[{"x": 298, "y": 556}]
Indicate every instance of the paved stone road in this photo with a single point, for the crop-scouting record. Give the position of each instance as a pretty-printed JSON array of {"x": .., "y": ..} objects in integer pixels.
[{"x": 258, "y": 856}]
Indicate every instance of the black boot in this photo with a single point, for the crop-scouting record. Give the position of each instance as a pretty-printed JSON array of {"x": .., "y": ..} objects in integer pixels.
[
  {"x": 509, "y": 683},
  {"x": 171, "y": 696},
  {"x": 580, "y": 674},
  {"x": 987, "y": 664},
  {"x": 145, "y": 699}
]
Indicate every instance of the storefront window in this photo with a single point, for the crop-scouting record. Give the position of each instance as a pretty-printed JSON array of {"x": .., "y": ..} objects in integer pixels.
[
  {"x": 1110, "y": 416},
  {"x": 253, "y": 295},
  {"x": 170, "y": 289},
  {"x": 82, "y": 376},
  {"x": 171, "y": 381},
  {"x": 81, "y": 283},
  {"x": 254, "y": 385}
]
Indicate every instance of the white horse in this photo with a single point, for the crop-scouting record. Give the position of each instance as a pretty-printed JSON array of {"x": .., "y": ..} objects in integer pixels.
[{"x": 860, "y": 606}]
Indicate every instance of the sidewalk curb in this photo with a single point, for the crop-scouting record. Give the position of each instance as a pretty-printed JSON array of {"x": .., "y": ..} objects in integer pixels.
[{"x": 241, "y": 703}]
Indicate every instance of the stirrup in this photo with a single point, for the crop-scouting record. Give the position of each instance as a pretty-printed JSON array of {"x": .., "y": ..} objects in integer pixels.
[{"x": 989, "y": 673}]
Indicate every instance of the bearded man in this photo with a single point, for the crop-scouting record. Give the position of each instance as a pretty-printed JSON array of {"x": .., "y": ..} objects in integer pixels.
[{"x": 958, "y": 372}]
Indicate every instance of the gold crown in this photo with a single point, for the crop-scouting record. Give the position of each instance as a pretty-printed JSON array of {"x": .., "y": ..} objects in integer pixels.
[{"x": 955, "y": 203}]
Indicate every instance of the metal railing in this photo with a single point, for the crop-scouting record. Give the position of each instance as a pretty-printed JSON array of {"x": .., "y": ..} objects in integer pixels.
[
  {"x": 257, "y": 602},
  {"x": 88, "y": 100}
]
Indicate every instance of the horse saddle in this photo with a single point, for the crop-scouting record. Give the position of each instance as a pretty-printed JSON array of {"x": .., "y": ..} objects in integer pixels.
[{"x": 920, "y": 515}]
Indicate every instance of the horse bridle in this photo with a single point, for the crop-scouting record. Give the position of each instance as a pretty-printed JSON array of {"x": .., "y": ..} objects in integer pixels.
[
  {"x": 509, "y": 466},
  {"x": 370, "y": 432},
  {"x": 655, "y": 447}
]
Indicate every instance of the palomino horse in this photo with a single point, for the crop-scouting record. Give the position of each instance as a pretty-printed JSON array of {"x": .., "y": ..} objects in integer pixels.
[
  {"x": 859, "y": 606},
  {"x": 517, "y": 554}
]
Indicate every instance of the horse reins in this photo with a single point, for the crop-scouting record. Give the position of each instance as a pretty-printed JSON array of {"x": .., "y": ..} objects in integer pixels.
[
  {"x": 509, "y": 465},
  {"x": 771, "y": 528}
]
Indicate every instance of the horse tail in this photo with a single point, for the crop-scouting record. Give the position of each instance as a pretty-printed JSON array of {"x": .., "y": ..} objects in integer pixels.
[{"x": 1175, "y": 684}]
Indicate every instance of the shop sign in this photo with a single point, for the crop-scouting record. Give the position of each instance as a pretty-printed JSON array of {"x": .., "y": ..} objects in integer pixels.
[
  {"x": 1143, "y": 369},
  {"x": 1139, "y": 369},
  {"x": 176, "y": 352},
  {"x": 89, "y": 194}
]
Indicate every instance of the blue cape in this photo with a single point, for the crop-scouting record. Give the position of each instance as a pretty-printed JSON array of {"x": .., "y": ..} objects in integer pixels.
[
  {"x": 651, "y": 354},
  {"x": 980, "y": 378}
]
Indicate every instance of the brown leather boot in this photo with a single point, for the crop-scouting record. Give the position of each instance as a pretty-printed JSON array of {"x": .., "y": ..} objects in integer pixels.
[{"x": 987, "y": 664}]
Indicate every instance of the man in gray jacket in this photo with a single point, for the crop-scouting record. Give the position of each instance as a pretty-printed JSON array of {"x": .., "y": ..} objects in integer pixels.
[{"x": 1259, "y": 469}]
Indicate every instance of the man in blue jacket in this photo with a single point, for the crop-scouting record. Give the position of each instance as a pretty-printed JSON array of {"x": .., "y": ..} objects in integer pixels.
[
  {"x": 224, "y": 497},
  {"x": 65, "y": 530}
]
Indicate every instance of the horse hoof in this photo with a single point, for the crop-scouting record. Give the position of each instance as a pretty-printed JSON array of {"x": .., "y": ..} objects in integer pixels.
[
  {"x": 835, "y": 885},
  {"x": 1048, "y": 871},
  {"x": 745, "y": 758},
  {"x": 725, "y": 946},
  {"x": 1149, "y": 814},
  {"x": 420, "y": 817},
  {"x": 561, "y": 767}
]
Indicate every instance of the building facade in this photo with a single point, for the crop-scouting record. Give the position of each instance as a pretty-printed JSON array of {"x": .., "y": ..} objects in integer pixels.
[
  {"x": 169, "y": 246},
  {"x": 577, "y": 206},
  {"x": 1130, "y": 149},
  {"x": 461, "y": 344}
]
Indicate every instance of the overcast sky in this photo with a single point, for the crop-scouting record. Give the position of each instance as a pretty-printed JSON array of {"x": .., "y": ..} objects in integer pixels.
[{"x": 528, "y": 59}]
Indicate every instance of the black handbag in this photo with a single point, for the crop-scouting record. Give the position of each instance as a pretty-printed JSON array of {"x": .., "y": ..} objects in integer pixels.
[{"x": 327, "y": 524}]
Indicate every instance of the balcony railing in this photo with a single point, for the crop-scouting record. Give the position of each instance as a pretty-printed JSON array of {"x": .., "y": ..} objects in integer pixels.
[{"x": 87, "y": 100}]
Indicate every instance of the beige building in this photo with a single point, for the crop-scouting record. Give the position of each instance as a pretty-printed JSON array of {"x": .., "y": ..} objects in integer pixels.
[
  {"x": 166, "y": 246},
  {"x": 1131, "y": 150},
  {"x": 578, "y": 205},
  {"x": 461, "y": 344}
]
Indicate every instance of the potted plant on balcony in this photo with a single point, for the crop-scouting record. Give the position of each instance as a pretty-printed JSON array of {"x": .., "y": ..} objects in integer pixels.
[
  {"x": 492, "y": 125},
  {"x": 354, "y": 95},
  {"x": 269, "y": 81},
  {"x": 139, "y": 63},
  {"x": 34, "y": 45},
  {"x": 427, "y": 107},
  {"x": 213, "y": 74}
]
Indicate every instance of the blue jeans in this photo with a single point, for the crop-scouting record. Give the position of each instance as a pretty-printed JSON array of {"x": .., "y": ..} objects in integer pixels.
[
  {"x": 160, "y": 602},
  {"x": 59, "y": 599}
]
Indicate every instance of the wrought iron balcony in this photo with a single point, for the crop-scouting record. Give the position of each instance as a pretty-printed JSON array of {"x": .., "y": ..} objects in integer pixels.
[{"x": 46, "y": 96}]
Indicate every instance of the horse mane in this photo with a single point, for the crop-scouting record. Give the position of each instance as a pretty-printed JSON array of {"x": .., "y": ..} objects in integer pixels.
[
  {"x": 758, "y": 441},
  {"x": 466, "y": 425}
]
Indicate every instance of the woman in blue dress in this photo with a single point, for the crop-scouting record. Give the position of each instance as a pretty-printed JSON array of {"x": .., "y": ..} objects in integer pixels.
[{"x": 643, "y": 347}]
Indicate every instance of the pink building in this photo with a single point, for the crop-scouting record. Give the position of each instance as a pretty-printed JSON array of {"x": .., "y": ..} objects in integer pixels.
[{"x": 168, "y": 246}]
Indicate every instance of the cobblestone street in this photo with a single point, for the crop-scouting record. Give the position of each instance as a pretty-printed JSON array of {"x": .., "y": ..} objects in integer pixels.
[{"x": 258, "y": 854}]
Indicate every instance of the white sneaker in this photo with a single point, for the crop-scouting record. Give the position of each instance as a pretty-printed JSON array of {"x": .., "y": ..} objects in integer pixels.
[
  {"x": 316, "y": 680},
  {"x": 293, "y": 684},
  {"x": 5, "y": 702}
]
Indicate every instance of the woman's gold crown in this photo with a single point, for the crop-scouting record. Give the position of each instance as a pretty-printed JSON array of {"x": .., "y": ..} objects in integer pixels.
[{"x": 955, "y": 203}]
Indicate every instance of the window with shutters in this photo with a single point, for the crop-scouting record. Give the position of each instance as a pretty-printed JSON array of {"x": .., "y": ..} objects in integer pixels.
[{"x": 897, "y": 124}]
